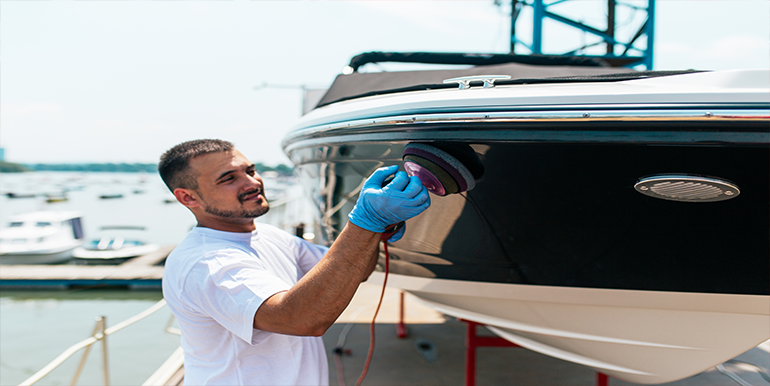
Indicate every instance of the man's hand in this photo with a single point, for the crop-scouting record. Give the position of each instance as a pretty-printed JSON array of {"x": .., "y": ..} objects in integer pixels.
[{"x": 379, "y": 207}]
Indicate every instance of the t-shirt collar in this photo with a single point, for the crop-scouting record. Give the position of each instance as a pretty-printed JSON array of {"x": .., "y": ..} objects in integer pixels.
[{"x": 245, "y": 236}]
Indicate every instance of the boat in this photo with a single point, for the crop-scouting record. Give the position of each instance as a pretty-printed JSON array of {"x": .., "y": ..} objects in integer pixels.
[
  {"x": 619, "y": 218},
  {"x": 110, "y": 196},
  {"x": 54, "y": 198},
  {"x": 112, "y": 249},
  {"x": 20, "y": 195},
  {"x": 46, "y": 237}
]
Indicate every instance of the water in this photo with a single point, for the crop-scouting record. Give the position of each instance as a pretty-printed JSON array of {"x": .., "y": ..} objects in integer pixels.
[
  {"x": 145, "y": 202},
  {"x": 37, "y": 326},
  {"x": 164, "y": 223}
]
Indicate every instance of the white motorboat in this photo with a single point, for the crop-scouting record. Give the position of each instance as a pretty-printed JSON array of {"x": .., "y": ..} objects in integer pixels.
[
  {"x": 46, "y": 237},
  {"x": 619, "y": 219},
  {"x": 113, "y": 249}
]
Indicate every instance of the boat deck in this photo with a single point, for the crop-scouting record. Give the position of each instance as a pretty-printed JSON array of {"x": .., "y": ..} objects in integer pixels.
[{"x": 143, "y": 272}]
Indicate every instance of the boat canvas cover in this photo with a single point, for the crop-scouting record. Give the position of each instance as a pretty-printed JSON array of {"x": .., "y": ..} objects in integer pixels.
[{"x": 358, "y": 85}]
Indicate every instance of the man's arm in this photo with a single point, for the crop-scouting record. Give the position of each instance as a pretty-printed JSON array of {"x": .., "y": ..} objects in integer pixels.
[
  {"x": 311, "y": 306},
  {"x": 372, "y": 263}
]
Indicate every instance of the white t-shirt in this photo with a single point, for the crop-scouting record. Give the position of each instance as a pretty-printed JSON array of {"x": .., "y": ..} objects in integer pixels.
[{"x": 214, "y": 282}]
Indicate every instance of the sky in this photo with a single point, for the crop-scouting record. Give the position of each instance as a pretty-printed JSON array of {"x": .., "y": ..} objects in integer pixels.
[{"x": 123, "y": 81}]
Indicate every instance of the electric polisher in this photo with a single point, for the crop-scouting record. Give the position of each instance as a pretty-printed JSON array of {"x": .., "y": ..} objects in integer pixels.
[{"x": 444, "y": 168}]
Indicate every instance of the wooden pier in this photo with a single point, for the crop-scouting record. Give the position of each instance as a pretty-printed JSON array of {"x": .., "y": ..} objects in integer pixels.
[{"x": 143, "y": 272}]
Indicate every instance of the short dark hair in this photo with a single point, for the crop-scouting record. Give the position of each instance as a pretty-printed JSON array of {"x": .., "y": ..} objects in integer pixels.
[{"x": 175, "y": 163}]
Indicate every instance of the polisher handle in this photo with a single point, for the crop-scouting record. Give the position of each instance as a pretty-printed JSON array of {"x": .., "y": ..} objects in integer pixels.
[
  {"x": 387, "y": 180},
  {"x": 393, "y": 228}
]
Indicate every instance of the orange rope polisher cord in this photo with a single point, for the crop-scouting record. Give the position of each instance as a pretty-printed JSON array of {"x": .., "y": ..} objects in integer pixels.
[{"x": 385, "y": 238}]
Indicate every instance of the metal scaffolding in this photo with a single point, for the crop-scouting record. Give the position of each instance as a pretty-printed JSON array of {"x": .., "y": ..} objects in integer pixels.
[{"x": 630, "y": 50}]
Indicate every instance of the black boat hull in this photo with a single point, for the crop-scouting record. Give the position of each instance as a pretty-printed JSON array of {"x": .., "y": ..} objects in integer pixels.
[{"x": 567, "y": 214}]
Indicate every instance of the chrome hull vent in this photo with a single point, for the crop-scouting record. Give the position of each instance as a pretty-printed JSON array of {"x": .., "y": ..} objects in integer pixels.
[{"x": 687, "y": 188}]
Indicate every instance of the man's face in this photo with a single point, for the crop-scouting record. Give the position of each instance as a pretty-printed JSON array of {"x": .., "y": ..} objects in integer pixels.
[{"x": 229, "y": 188}]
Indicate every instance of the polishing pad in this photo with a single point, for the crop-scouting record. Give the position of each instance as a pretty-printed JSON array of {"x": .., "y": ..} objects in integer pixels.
[
  {"x": 438, "y": 170},
  {"x": 439, "y": 180}
]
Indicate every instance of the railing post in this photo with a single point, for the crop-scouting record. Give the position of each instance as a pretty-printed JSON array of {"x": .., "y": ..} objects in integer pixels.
[
  {"x": 103, "y": 331},
  {"x": 94, "y": 334}
]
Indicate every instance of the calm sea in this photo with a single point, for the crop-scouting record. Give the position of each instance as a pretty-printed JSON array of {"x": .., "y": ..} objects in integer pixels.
[{"x": 37, "y": 326}]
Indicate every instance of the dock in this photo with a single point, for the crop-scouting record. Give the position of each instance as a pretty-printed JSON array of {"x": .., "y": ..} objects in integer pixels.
[{"x": 142, "y": 272}]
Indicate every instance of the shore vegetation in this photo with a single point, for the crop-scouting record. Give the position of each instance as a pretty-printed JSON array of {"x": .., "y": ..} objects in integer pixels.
[{"x": 10, "y": 167}]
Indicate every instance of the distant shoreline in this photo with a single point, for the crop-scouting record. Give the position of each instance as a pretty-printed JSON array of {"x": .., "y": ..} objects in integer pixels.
[
  {"x": 94, "y": 167},
  {"x": 10, "y": 167}
]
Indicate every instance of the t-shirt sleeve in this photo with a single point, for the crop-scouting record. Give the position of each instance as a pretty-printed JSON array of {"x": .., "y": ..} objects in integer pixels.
[
  {"x": 308, "y": 254},
  {"x": 229, "y": 286}
]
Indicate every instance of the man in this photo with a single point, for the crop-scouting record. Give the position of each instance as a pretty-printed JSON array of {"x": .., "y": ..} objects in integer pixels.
[{"x": 252, "y": 301}]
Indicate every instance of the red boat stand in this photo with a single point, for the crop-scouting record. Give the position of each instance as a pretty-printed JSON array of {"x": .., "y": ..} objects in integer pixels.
[
  {"x": 401, "y": 330},
  {"x": 472, "y": 341}
]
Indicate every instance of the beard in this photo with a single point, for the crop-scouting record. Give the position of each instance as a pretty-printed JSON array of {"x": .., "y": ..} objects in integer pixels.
[
  {"x": 237, "y": 214},
  {"x": 243, "y": 213}
]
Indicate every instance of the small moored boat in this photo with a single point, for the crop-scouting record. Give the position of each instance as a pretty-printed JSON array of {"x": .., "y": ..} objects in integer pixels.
[
  {"x": 112, "y": 249},
  {"x": 46, "y": 237},
  {"x": 20, "y": 195},
  {"x": 54, "y": 198}
]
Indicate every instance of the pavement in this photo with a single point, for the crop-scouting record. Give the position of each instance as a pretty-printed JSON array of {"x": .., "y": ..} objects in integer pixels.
[{"x": 433, "y": 353}]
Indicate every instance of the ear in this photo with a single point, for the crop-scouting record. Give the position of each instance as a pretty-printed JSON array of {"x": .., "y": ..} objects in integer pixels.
[{"x": 186, "y": 197}]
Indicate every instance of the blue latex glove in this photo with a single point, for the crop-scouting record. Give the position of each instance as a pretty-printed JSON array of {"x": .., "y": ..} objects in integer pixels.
[
  {"x": 379, "y": 207},
  {"x": 398, "y": 235}
]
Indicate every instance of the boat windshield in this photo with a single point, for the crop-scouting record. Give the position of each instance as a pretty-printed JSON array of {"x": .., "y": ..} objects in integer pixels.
[{"x": 110, "y": 243}]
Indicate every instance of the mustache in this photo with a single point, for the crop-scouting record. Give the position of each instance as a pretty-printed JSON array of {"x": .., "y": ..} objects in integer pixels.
[{"x": 243, "y": 195}]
